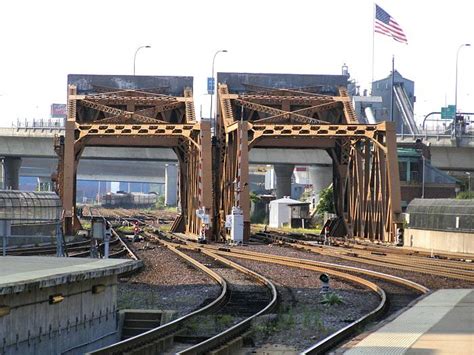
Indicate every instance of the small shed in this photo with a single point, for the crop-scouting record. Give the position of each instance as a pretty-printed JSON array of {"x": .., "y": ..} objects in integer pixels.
[
  {"x": 300, "y": 215},
  {"x": 280, "y": 212}
]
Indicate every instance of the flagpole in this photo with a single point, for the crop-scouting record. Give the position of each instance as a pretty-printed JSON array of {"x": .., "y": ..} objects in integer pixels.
[
  {"x": 391, "y": 94},
  {"x": 373, "y": 47}
]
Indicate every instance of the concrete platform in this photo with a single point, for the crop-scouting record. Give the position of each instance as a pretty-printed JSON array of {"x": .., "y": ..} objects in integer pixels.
[
  {"x": 20, "y": 273},
  {"x": 441, "y": 323},
  {"x": 52, "y": 305}
]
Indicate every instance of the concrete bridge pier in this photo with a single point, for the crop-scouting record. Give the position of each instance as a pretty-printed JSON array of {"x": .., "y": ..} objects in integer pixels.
[
  {"x": 171, "y": 184},
  {"x": 320, "y": 176},
  {"x": 11, "y": 173},
  {"x": 283, "y": 173}
]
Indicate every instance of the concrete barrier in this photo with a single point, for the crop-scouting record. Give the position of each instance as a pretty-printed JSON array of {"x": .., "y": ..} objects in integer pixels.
[{"x": 455, "y": 242}]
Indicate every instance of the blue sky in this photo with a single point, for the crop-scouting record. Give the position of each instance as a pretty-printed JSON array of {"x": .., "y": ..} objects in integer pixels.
[{"x": 43, "y": 41}]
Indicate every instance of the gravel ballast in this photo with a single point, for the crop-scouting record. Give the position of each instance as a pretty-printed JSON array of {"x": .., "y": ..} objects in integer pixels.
[{"x": 166, "y": 283}]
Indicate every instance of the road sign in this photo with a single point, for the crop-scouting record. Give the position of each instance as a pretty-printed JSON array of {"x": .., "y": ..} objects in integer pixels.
[
  {"x": 210, "y": 86},
  {"x": 448, "y": 113}
]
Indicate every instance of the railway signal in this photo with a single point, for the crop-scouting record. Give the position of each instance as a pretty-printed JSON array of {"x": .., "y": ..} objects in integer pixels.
[{"x": 324, "y": 278}]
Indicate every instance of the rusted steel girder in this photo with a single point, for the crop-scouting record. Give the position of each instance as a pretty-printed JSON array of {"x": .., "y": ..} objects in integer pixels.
[
  {"x": 100, "y": 120},
  {"x": 366, "y": 180}
]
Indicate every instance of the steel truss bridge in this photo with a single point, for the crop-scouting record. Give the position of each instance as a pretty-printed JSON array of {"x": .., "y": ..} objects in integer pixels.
[{"x": 254, "y": 110}]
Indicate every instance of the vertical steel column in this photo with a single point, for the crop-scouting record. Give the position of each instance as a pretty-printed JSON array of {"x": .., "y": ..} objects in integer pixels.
[
  {"x": 69, "y": 163},
  {"x": 207, "y": 199},
  {"x": 393, "y": 180},
  {"x": 244, "y": 179}
]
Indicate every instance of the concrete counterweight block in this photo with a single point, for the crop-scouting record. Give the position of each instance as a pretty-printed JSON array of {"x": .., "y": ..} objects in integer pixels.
[{"x": 283, "y": 173}]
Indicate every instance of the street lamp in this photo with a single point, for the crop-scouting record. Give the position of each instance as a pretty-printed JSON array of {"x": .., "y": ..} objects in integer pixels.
[
  {"x": 469, "y": 182},
  {"x": 212, "y": 73},
  {"x": 456, "y": 85},
  {"x": 135, "y": 56}
]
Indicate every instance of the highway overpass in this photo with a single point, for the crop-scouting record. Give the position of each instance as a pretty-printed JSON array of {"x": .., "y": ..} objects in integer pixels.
[{"x": 35, "y": 148}]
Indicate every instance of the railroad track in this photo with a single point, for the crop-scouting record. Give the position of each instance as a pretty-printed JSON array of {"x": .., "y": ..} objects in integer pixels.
[
  {"x": 397, "y": 299},
  {"x": 444, "y": 268},
  {"x": 358, "y": 245},
  {"x": 119, "y": 247},
  {"x": 156, "y": 340}
]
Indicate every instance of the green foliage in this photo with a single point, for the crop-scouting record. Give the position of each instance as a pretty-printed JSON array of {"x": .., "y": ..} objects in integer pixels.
[
  {"x": 160, "y": 203},
  {"x": 326, "y": 201},
  {"x": 465, "y": 195},
  {"x": 254, "y": 197},
  {"x": 306, "y": 196},
  {"x": 331, "y": 299},
  {"x": 125, "y": 229},
  {"x": 86, "y": 225},
  {"x": 223, "y": 321}
]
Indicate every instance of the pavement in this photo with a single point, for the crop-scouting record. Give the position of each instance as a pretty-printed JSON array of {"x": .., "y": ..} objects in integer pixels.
[{"x": 441, "y": 323}]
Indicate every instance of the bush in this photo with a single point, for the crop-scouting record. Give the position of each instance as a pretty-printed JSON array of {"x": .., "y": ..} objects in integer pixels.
[
  {"x": 331, "y": 299},
  {"x": 160, "y": 202},
  {"x": 465, "y": 195},
  {"x": 326, "y": 201}
]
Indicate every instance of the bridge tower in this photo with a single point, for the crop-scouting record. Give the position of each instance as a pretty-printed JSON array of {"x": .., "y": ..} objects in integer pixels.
[
  {"x": 306, "y": 112},
  {"x": 136, "y": 111}
]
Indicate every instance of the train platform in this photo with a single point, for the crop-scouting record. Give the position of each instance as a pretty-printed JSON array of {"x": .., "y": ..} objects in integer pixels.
[
  {"x": 51, "y": 305},
  {"x": 18, "y": 273},
  {"x": 440, "y": 323}
]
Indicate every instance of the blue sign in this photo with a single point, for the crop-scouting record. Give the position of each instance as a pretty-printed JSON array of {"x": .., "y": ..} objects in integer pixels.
[{"x": 210, "y": 86}]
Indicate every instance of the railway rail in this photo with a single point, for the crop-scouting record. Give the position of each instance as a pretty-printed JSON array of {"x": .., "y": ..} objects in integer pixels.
[
  {"x": 445, "y": 268},
  {"x": 357, "y": 245},
  {"x": 159, "y": 338},
  {"x": 344, "y": 272}
]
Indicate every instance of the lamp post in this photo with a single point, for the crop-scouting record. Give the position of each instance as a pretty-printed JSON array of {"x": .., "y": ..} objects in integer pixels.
[
  {"x": 423, "y": 177},
  {"x": 212, "y": 76},
  {"x": 468, "y": 182},
  {"x": 456, "y": 84},
  {"x": 135, "y": 56}
]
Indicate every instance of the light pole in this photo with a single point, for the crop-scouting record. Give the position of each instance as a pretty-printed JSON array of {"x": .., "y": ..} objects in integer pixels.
[
  {"x": 135, "y": 57},
  {"x": 212, "y": 76},
  {"x": 423, "y": 177},
  {"x": 468, "y": 182},
  {"x": 456, "y": 84}
]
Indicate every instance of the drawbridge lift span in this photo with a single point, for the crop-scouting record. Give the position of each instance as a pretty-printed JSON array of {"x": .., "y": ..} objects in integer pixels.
[
  {"x": 136, "y": 111},
  {"x": 306, "y": 111}
]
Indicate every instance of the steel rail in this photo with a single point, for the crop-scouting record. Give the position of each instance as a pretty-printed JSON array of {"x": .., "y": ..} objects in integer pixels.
[
  {"x": 238, "y": 329},
  {"x": 364, "y": 246},
  {"x": 399, "y": 265},
  {"x": 152, "y": 340},
  {"x": 342, "y": 334},
  {"x": 428, "y": 269},
  {"x": 458, "y": 260}
]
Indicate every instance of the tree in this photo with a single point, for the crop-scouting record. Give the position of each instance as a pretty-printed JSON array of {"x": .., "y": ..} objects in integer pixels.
[{"x": 326, "y": 201}]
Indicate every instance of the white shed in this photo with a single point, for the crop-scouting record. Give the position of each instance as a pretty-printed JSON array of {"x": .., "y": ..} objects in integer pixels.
[{"x": 280, "y": 212}]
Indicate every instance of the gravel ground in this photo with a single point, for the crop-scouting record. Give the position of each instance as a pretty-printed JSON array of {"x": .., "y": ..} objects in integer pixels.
[
  {"x": 166, "y": 283},
  {"x": 301, "y": 320},
  {"x": 431, "y": 281}
]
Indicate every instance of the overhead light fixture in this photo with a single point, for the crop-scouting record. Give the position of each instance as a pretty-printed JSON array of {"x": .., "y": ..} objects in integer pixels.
[
  {"x": 53, "y": 299},
  {"x": 4, "y": 310},
  {"x": 98, "y": 289}
]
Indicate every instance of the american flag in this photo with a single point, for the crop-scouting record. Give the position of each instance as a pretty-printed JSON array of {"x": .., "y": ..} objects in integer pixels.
[{"x": 386, "y": 25}]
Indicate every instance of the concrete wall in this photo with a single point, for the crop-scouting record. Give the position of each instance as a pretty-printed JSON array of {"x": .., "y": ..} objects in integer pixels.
[
  {"x": 81, "y": 322},
  {"x": 455, "y": 242}
]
